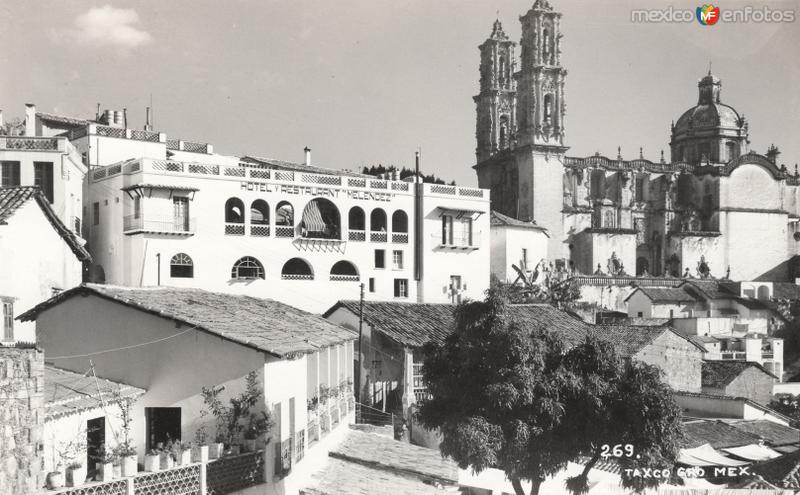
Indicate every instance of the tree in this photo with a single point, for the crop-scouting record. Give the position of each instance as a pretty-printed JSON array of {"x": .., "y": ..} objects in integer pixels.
[
  {"x": 788, "y": 405},
  {"x": 519, "y": 400}
]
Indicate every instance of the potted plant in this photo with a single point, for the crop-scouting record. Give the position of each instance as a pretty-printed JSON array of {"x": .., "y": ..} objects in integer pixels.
[
  {"x": 76, "y": 473},
  {"x": 313, "y": 404},
  {"x": 152, "y": 461},
  {"x": 126, "y": 453},
  {"x": 200, "y": 445},
  {"x": 55, "y": 478},
  {"x": 229, "y": 416},
  {"x": 257, "y": 426},
  {"x": 167, "y": 461},
  {"x": 104, "y": 464},
  {"x": 181, "y": 452},
  {"x": 216, "y": 449}
]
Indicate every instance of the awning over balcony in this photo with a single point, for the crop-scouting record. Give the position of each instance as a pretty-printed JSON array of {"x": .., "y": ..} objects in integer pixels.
[
  {"x": 312, "y": 218},
  {"x": 460, "y": 212},
  {"x": 142, "y": 190}
]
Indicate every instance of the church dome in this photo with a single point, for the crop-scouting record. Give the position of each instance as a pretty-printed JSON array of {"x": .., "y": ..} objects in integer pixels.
[{"x": 709, "y": 112}]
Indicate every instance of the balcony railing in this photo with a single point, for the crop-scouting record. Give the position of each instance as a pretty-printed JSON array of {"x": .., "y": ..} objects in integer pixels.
[
  {"x": 282, "y": 231},
  {"x": 159, "y": 225},
  {"x": 232, "y": 473},
  {"x": 30, "y": 143},
  {"x": 464, "y": 241},
  {"x": 378, "y": 236},
  {"x": 400, "y": 238},
  {"x": 767, "y": 355},
  {"x": 259, "y": 230},
  {"x": 733, "y": 356},
  {"x": 234, "y": 229},
  {"x": 357, "y": 235}
]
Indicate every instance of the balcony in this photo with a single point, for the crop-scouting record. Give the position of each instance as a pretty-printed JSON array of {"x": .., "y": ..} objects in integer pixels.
[
  {"x": 234, "y": 228},
  {"x": 31, "y": 143},
  {"x": 357, "y": 235},
  {"x": 733, "y": 356},
  {"x": 464, "y": 241},
  {"x": 378, "y": 236},
  {"x": 400, "y": 238},
  {"x": 146, "y": 224}
]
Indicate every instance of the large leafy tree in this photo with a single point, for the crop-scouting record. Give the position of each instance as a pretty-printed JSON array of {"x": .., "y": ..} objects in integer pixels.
[{"x": 519, "y": 400}]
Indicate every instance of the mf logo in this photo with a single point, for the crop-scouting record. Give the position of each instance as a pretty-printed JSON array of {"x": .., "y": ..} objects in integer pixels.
[{"x": 707, "y": 15}]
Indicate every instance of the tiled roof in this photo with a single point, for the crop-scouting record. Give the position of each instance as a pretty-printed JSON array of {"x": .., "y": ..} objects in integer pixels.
[
  {"x": 630, "y": 339},
  {"x": 174, "y": 187},
  {"x": 67, "y": 393},
  {"x": 497, "y": 218},
  {"x": 13, "y": 198},
  {"x": 413, "y": 324},
  {"x": 301, "y": 167},
  {"x": 744, "y": 400},
  {"x": 751, "y": 303},
  {"x": 773, "y": 433},
  {"x": 717, "y": 433},
  {"x": 783, "y": 471},
  {"x": 665, "y": 294},
  {"x": 785, "y": 290},
  {"x": 63, "y": 119},
  {"x": 261, "y": 324},
  {"x": 719, "y": 374},
  {"x": 709, "y": 289}
]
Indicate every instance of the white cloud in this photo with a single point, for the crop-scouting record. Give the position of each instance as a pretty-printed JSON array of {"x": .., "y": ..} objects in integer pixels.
[{"x": 110, "y": 26}]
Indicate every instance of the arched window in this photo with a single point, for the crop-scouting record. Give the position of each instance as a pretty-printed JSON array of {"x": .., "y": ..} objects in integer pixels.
[
  {"x": 284, "y": 214},
  {"x": 641, "y": 266},
  {"x": 234, "y": 211},
  {"x": 608, "y": 219},
  {"x": 259, "y": 212},
  {"x": 548, "y": 107},
  {"x": 181, "y": 266},
  {"x": 763, "y": 293},
  {"x": 546, "y": 44},
  {"x": 247, "y": 268},
  {"x": 356, "y": 219},
  {"x": 377, "y": 220},
  {"x": 344, "y": 271},
  {"x": 321, "y": 220},
  {"x": 399, "y": 221},
  {"x": 297, "y": 269},
  {"x": 730, "y": 148}
]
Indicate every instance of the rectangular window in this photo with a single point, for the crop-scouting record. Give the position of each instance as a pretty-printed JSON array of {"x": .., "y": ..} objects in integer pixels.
[
  {"x": 640, "y": 189},
  {"x": 465, "y": 233},
  {"x": 455, "y": 289},
  {"x": 95, "y": 213},
  {"x": 181, "y": 213},
  {"x": 639, "y": 314},
  {"x": 380, "y": 258},
  {"x": 372, "y": 284},
  {"x": 43, "y": 177},
  {"x": 137, "y": 207},
  {"x": 161, "y": 425},
  {"x": 9, "y": 174},
  {"x": 524, "y": 260},
  {"x": 447, "y": 229},
  {"x": 400, "y": 287},
  {"x": 397, "y": 260},
  {"x": 8, "y": 320}
]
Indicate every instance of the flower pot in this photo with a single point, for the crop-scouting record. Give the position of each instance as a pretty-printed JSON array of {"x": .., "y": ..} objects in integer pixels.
[
  {"x": 76, "y": 476},
  {"x": 250, "y": 445},
  {"x": 215, "y": 450},
  {"x": 55, "y": 480},
  {"x": 129, "y": 466},
  {"x": 200, "y": 453},
  {"x": 117, "y": 470},
  {"x": 152, "y": 463},
  {"x": 184, "y": 457},
  {"x": 235, "y": 450},
  {"x": 105, "y": 472},
  {"x": 167, "y": 462}
]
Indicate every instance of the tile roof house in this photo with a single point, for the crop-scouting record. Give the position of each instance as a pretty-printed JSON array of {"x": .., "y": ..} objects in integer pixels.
[
  {"x": 174, "y": 342},
  {"x": 52, "y": 259},
  {"x": 394, "y": 332},
  {"x": 716, "y": 433},
  {"x": 738, "y": 379},
  {"x": 782, "y": 438},
  {"x": 783, "y": 472}
]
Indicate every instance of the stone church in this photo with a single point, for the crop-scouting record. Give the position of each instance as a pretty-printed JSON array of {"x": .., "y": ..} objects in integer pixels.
[{"x": 715, "y": 209}]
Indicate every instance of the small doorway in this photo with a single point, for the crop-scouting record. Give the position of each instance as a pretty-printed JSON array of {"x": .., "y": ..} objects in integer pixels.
[
  {"x": 162, "y": 424},
  {"x": 181, "y": 213},
  {"x": 95, "y": 441}
]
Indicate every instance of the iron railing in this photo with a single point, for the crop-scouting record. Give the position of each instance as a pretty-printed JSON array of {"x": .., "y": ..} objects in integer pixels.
[{"x": 162, "y": 225}]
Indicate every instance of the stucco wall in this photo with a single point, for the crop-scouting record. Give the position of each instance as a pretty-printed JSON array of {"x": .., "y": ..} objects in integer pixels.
[
  {"x": 71, "y": 428},
  {"x": 679, "y": 360},
  {"x": 753, "y": 384},
  {"x": 34, "y": 260},
  {"x": 506, "y": 250}
]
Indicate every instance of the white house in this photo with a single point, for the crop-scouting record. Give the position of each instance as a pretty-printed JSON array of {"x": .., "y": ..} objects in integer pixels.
[
  {"x": 39, "y": 256},
  {"x": 172, "y": 342},
  {"x": 515, "y": 243}
]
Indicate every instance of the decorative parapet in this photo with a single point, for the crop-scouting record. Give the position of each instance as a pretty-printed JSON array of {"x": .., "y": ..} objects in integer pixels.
[{"x": 233, "y": 473}]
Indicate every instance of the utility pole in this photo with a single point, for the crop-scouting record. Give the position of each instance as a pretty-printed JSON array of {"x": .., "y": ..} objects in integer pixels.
[{"x": 360, "y": 332}]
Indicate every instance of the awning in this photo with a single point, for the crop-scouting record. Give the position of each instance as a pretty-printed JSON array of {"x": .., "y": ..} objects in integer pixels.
[
  {"x": 312, "y": 218},
  {"x": 460, "y": 212},
  {"x": 753, "y": 452},
  {"x": 705, "y": 455}
]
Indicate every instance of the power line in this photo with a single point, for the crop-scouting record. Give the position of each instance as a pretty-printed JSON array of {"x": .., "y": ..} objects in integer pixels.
[{"x": 49, "y": 358}]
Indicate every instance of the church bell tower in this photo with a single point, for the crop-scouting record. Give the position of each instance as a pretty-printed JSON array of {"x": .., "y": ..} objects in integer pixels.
[
  {"x": 496, "y": 103},
  {"x": 540, "y": 81}
]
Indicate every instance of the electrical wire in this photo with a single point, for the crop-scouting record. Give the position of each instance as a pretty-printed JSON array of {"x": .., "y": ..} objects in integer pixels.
[{"x": 134, "y": 346}]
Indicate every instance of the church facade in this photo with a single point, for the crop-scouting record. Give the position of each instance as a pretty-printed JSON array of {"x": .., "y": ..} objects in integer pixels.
[{"x": 715, "y": 209}]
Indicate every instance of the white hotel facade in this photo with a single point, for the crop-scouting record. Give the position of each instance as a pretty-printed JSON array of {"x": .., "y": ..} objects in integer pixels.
[{"x": 173, "y": 213}]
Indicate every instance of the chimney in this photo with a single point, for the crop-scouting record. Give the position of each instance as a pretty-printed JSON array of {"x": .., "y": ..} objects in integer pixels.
[
  {"x": 147, "y": 125},
  {"x": 30, "y": 119},
  {"x": 97, "y": 113},
  {"x": 307, "y": 151},
  {"x": 125, "y": 118}
]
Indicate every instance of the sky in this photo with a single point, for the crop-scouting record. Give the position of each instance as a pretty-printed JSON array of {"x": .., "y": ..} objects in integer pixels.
[{"x": 364, "y": 82}]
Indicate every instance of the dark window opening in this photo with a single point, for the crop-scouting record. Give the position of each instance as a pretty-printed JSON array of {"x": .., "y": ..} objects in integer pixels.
[
  {"x": 9, "y": 174},
  {"x": 400, "y": 221},
  {"x": 181, "y": 266},
  {"x": 162, "y": 424},
  {"x": 321, "y": 220},
  {"x": 344, "y": 268},
  {"x": 380, "y": 258},
  {"x": 377, "y": 220},
  {"x": 297, "y": 268},
  {"x": 234, "y": 211},
  {"x": 95, "y": 442},
  {"x": 96, "y": 214},
  {"x": 401, "y": 287},
  {"x": 247, "y": 268},
  {"x": 284, "y": 214},
  {"x": 259, "y": 212},
  {"x": 372, "y": 284},
  {"x": 356, "y": 219},
  {"x": 43, "y": 177}
]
